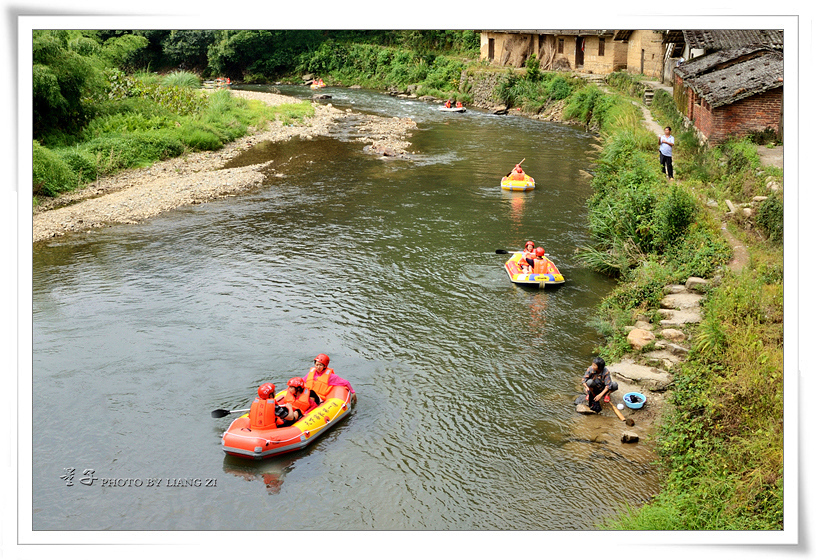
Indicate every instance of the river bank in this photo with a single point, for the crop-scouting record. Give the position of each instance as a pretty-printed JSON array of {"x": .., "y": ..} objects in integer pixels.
[{"x": 138, "y": 194}]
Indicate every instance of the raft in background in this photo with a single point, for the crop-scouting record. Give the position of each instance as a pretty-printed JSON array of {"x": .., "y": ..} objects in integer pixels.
[
  {"x": 527, "y": 184},
  {"x": 552, "y": 276},
  {"x": 242, "y": 441},
  {"x": 452, "y": 109}
]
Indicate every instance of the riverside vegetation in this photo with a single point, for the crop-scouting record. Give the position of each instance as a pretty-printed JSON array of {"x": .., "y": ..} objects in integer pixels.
[{"x": 720, "y": 444}]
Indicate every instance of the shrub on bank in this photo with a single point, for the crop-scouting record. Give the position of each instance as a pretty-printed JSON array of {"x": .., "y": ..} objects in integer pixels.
[
  {"x": 139, "y": 129},
  {"x": 50, "y": 174}
]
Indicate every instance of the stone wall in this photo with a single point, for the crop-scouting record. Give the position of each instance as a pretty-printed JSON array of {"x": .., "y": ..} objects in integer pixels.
[{"x": 481, "y": 86}]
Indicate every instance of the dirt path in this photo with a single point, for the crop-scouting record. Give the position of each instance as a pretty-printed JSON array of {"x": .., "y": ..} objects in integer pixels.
[{"x": 138, "y": 194}]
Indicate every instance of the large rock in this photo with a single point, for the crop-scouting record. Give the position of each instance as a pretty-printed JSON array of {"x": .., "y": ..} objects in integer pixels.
[
  {"x": 647, "y": 377},
  {"x": 697, "y": 284},
  {"x": 639, "y": 338},
  {"x": 629, "y": 437}
]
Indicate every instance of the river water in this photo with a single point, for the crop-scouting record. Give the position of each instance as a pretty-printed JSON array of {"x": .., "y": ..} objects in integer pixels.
[{"x": 465, "y": 382}]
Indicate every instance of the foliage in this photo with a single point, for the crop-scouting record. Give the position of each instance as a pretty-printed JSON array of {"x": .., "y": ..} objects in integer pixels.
[
  {"x": 188, "y": 48},
  {"x": 63, "y": 80},
  {"x": 50, "y": 175},
  {"x": 536, "y": 90},
  {"x": 722, "y": 445},
  {"x": 771, "y": 217},
  {"x": 181, "y": 80},
  {"x": 626, "y": 83},
  {"x": 236, "y": 53},
  {"x": 674, "y": 213}
]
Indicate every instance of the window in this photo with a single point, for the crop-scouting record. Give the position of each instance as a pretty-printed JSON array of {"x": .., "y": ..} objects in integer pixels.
[
  {"x": 601, "y": 46},
  {"x": 561, "y": 46}
]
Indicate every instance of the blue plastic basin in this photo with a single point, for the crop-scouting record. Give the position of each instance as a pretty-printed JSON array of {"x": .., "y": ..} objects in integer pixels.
[{"x": 634, "y": 400}]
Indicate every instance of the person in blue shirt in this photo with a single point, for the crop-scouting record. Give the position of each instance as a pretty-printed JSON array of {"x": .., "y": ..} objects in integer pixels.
[{"x": 665, "y": 144}]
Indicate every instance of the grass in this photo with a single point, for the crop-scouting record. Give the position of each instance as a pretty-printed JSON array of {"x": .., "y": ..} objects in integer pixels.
[
  {"x": 720, "y": 444},
  {"x": 149, "y": 122}
]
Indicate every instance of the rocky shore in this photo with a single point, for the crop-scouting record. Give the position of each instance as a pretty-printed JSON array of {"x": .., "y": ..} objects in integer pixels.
[{"x": 137, "y": 194}]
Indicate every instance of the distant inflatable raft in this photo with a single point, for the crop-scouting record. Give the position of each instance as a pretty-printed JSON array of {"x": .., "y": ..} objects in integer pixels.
[
  {"x": 242, "y": 441},
  {"x": 551, "y": 276},
  {"x": 527, "y": 184}
]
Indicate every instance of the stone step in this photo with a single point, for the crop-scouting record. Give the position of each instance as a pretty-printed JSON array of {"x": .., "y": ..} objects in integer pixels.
[
  {"x": 651, "y": 378},
  {"x": 676, "y": 318}
]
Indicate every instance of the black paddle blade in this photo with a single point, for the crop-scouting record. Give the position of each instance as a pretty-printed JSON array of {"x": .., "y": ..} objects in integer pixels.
[
  {"x": 219, "y": 413},
  {"x": 502, "y": 252}
]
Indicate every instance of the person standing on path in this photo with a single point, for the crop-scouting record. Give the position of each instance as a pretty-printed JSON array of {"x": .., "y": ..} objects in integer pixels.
[{"x": 665, "y": 145}]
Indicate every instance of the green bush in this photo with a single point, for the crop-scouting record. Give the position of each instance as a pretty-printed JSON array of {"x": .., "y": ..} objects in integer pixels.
[
  {"x": 582, "y": 104},
  {"x": 559, "y": 89},
  {"x": 674, "y": 214},
  {"x": 81, "y": 162},
  {"x": 771, "y": 218},
  {"x": 50, "y": 174}
]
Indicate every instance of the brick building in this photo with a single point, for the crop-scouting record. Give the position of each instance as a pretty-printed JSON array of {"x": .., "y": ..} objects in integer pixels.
[{"x": 731, "y": 92}]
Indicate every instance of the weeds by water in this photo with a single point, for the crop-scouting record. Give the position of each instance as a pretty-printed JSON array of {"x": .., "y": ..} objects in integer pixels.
[
  {"x": 143, "y": 122},
  {"x": 720, "y": 444}
]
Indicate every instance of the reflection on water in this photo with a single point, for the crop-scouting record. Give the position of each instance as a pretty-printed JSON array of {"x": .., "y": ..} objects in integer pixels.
[{"x": 465, "y": 382}]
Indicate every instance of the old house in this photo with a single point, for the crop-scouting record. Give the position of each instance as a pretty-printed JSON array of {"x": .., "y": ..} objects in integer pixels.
[
  {"x": 591, "y": 51},
  {"x": 736, "y": 89},
  {"x": 645, "y": 51}
]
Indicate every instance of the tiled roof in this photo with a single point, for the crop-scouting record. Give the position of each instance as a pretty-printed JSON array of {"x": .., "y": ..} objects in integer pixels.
[
  {"x": 599, "y": 32},
  {"x": 707, "y": 63},
  {"x": 738, "y": 81},
  {"x": 730, "y": 38}
]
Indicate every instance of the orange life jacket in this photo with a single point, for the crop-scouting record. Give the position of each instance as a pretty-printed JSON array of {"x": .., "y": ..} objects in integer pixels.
[
  {"x": 302, "y": 403},
  {"x": 262, "y": 415},
  {"x": 540, "y": 266},
  {"x": 320, "y": 383}
]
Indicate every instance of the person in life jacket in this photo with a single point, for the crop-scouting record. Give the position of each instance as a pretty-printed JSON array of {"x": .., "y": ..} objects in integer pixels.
[
  {"x": 527, "y": 257},
  {"x": 540, "y": 264},
  {"x": 449, "y": 103},
  {"x": 321, "y": 378},
  {"x": 598, "y": 384},
  {"x": 459, "y": 104},
  {"x": 264, "y": 413},
  {"x": 297, "y": 401},
  {"x": 517, "y": 174}
]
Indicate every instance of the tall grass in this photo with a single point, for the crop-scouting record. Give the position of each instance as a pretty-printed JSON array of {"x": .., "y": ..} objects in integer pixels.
[
  {"x": 720, "y": 443},
  {"x": 144, "y": 123}
]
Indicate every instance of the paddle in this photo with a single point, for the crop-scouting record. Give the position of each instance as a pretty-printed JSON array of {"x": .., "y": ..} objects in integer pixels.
[
  {"x": 220, "y": 412},
  {"x": 504, "y": 252},
  {"x": 519, "y": 163}
]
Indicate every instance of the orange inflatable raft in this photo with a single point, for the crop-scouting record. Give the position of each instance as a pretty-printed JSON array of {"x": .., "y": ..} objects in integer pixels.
[{"x": 242, "y": 441}]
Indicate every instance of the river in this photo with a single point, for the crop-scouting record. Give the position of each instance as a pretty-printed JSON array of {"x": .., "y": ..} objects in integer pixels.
[{"x": 465, "y": 382}]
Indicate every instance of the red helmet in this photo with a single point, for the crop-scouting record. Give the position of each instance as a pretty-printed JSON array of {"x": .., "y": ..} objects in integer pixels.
[
  {"x": 296, "y": 382},
  {"x": 539, "y": 251},
  {"x": 323, "y": 359},
  {"x": 265, "y": 390},
  {"x": 529, "y": 243}
]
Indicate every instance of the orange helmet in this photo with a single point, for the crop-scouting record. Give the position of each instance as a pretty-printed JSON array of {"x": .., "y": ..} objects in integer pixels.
[
  {"x": 539, "y": 251},
  {"x": 296, "y": 382},
  {"x": 265, "y": 390},
  {"x": 323, "y": 359}
]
